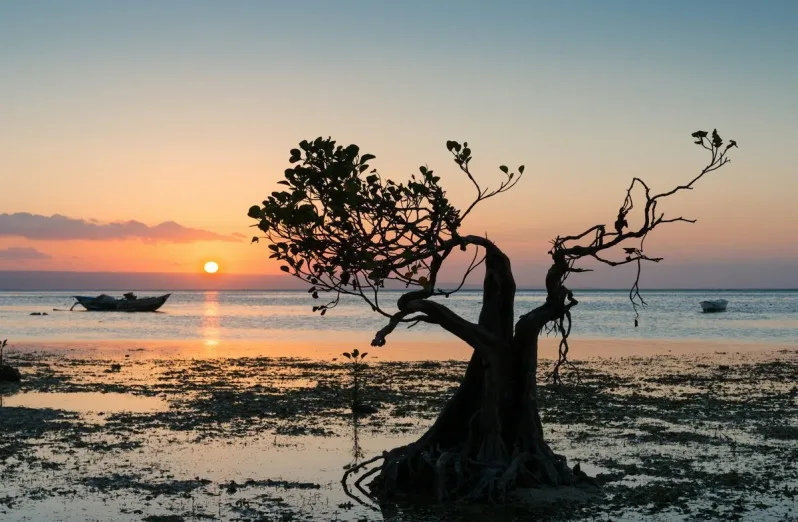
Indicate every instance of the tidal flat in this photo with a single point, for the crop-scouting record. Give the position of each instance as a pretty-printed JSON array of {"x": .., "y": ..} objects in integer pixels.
[{"x": 710, "y": 436}]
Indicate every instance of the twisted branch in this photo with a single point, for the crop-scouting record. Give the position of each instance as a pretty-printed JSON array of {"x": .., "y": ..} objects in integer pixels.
[{"x": 566, "y": 251}]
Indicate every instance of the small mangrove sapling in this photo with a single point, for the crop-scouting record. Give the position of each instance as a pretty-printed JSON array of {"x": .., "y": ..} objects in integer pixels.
[{"x": 356, "y": 366}]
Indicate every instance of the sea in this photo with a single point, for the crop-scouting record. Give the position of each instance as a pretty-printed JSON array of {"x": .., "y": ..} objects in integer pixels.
[{"x": 756, "y": 316}]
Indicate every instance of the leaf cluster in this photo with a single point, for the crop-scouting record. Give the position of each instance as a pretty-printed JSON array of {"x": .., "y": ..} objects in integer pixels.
[
  {"x": 343, "y": 228},
  {"x": 355, "y": 356}
]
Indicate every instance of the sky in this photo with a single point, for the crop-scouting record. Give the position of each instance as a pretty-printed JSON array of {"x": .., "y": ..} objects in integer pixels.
[{"x": 134, "y": 136}]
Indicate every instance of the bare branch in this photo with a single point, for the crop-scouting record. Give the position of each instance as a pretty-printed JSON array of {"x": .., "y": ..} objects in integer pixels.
[
  {"x": 474, "y": 335},
  {"x": 566, "y": 251},
  {"x": 471, "y": 267},
  {"x": 626, "y": 261},
  {"x": 396, "y": 319},
  {"x": 674, "y": 220}
]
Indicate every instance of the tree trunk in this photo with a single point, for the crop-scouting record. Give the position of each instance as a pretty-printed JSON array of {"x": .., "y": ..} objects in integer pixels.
[{"x": 489, "y": 438}]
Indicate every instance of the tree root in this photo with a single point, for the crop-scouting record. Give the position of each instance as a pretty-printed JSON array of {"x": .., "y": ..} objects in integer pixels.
[
  {"x": 450, "y": 476},
  {"x": 354, "y": 469}
]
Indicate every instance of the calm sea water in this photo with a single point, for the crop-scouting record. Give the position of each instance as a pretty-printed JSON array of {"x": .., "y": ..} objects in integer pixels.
[{"x": 756, "y": 316}]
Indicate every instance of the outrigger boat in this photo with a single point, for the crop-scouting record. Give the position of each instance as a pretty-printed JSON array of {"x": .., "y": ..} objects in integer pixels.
[
  {"x": 715, "y": 305},
  {"x": 128, "y": 303}
]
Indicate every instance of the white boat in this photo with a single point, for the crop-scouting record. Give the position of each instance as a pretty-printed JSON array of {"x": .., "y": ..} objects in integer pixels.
[{"x": 714, "y": 305}]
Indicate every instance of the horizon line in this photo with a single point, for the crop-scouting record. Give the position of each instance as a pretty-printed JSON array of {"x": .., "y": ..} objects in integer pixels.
[
  {"x": 82, "y": 281},
  {"x": 398, "y": 290}
]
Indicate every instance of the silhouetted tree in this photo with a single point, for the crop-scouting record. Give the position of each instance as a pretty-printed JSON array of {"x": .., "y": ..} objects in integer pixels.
[{"x": 345, "y": 230}]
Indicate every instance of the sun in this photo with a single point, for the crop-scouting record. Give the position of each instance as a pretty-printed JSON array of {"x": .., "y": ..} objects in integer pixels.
[{"x": 211, "y": 267}]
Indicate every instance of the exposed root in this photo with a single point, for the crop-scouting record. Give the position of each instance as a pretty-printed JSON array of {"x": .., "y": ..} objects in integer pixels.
[
  {"x": 441, "y": 474},
  {"x": 449, "y": 476},
  {"x": 364, "y": 477},
  {"x": 510, "y": 476},
  {"x": 562, "y": 326},
  {"x": 357, "y": 483}
]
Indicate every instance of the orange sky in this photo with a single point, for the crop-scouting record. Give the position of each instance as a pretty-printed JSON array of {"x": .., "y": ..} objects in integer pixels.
[{"x": 190, "y": 121}]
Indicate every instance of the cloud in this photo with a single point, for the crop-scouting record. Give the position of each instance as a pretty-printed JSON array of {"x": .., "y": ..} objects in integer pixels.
[
  {"x": 63, "y": 228},
  {"x": 21, "y": 254}
]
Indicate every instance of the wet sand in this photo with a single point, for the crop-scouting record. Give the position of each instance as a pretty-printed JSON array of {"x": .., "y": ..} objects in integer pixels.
[
  {"x": 398, "y": 348},
  {"x": 673, "y": 430}
]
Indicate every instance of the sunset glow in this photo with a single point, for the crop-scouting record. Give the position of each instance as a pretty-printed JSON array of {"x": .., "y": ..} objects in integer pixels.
[
  {"x": 211, "y": 267},
  {"x": 191, "y": 130},
  {"x": 342, "y": 260}
]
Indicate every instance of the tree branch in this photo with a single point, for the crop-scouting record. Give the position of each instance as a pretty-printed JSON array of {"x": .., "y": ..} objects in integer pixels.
[
  {"x": 626, "y": 261},
  {"x": 474, "y": 335},
  {"x": 396, "y": 319},
  {"x": 565, "y": 254}
]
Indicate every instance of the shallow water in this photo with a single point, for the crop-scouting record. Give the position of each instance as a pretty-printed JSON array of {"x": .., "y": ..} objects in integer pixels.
[
  {"x": 215, "y": 317},
  {"x": 85, "y": 402}
]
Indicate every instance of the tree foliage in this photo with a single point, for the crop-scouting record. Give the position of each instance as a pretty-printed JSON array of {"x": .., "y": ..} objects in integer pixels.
[{"x": 343, "y": 228}]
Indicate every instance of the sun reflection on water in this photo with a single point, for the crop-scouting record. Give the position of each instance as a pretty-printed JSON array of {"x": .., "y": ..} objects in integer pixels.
[{"x": 209, "y": 325}]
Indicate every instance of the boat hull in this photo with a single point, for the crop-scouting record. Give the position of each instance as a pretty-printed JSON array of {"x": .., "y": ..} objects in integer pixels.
[
  {"x": 718, "y": 305},
  {"x": 144, "y": 304}
]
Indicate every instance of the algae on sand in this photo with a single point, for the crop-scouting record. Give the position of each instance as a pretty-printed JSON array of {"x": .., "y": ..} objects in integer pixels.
[{"x": 674, "y": 438}]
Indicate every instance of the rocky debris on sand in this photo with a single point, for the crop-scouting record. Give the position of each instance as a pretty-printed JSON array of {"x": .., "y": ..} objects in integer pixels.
[
  {"x": 9, "y": 374},
  {"x": 360, "y": 408},
  {"x": 663, "y": 436}
]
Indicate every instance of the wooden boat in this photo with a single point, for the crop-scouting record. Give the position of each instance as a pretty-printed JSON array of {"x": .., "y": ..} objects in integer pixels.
[
  {"x": 128, "y": 303},
  {"x": 715, "y": 305}
]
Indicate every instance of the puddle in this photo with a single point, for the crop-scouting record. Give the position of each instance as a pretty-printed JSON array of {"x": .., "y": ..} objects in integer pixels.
[{"x": 89, "y": 402}]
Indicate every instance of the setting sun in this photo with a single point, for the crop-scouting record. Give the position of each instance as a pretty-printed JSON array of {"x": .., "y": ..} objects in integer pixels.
[{"x": 211, "y": 267}]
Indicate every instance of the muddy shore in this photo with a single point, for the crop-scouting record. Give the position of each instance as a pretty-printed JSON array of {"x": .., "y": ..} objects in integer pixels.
[{"x": 712, "y": 436}]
